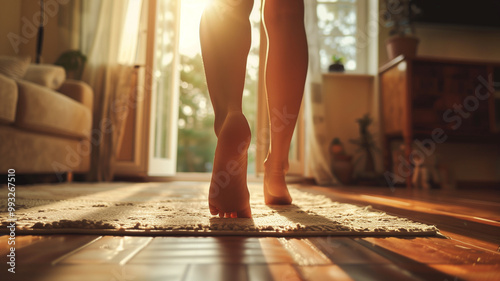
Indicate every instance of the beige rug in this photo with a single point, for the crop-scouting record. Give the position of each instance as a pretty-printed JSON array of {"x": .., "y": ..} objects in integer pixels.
[{"x": 181, "y": 208}]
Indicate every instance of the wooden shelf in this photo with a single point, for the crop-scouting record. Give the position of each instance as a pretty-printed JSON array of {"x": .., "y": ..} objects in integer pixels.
[{"x": 347, "y": 75}]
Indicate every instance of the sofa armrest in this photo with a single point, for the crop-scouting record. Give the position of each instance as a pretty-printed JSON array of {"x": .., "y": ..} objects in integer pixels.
[
  {"x": 79, "y": 91},
  {"x": 8, "y": 99}
]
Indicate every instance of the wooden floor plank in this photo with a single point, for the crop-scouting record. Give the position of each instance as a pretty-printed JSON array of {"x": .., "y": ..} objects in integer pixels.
[
  {"x": 19, "y": 242},
  {"x": 211, "y": 250},
  {"x": 102, "y": 272},
  {"x": 50, "y": 248},
  {"x": 109, "y": 249},
  {"x": 454, "y": 203},
  {"x": 278, "y": 272},
  {"x": 48, "y": 272},
  {"x": 470, "y": 272},
  {"x": 304, "y": 252},
  {"x": 485, "y": 245},
  {"x": 476, "y": 229},
  {"x": 274, "y": 252},
  {"x": 325, "y": 273},
  {"x": 342, "y": 250},
  {"x": 220, "y": 272},
  {"x": 453, "y": 210},
  {"x": 429, "y": 251},
  {"x": 378, "y": 272}
]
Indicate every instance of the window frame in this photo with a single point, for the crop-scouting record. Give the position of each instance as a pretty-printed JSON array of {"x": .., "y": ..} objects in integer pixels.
[{"x": 361, "y": 23}]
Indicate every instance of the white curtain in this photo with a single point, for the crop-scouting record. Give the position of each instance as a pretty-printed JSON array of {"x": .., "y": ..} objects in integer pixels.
[
  {"x": 317, "y": 145},
  {"x": 109, "y": 38}
]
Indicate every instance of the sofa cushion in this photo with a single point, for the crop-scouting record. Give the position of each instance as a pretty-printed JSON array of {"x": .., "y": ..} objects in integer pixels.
[
  {"x": 8, "y": 99},
  {"x": 14, "y": 67},
  {"x": 51, "y": 76},
  {"x": 44, "y": 110}
]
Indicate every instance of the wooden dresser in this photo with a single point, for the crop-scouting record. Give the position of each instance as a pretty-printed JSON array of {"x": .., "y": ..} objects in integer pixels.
[{"x": 427, "y": 101}]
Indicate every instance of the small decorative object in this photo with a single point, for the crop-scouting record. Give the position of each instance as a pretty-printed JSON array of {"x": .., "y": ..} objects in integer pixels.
[
  {"x": 398, "y": 15},
  {"x": 73, "y": 62},
  {"x": 425, "y": 173},
  {"x": 337, "y": 65},
  {"x": 367, "y": 147},
  {"x": 341, "y": 163}
]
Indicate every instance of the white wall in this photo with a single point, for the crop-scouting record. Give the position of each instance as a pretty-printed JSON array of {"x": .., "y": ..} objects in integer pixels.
[
  {"x": 459, "y": 42},
  {"x": 20, "y": 19},
  {"x": 10, "y": 15}
]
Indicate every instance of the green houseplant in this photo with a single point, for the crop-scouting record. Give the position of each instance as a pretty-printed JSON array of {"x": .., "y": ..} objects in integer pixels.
[
  {"x": 398, "y": 18},
  {"x": 337, "y": 64},
  {"x": 73, "y": 61}
]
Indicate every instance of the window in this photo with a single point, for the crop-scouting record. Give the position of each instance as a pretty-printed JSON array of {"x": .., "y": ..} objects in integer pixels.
[{"x": 339, "y": 22}]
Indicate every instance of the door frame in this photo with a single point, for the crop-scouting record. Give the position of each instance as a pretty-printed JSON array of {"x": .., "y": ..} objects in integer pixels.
[{"x": 162, "y": 166}]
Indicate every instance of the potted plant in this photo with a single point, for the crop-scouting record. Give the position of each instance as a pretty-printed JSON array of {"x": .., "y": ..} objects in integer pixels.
[
  {"x": 341, "y": 162},
  {"x": 337, "y": 65},
  {"x": 398, "y": 16},
  {"x": 367, "y": 146},
  {"x": 73, "y": 61}
]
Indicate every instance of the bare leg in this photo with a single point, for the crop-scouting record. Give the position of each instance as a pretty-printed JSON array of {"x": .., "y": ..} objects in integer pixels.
[
  {"x": 286, "y": 70},
  {"x": 225, "y": 41}
]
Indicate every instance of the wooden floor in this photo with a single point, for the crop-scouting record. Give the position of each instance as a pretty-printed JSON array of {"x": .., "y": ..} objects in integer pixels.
[{"x": 470, "y": 220}]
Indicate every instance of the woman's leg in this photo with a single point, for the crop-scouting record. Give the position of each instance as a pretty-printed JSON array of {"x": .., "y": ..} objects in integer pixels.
[
  {"x": 225, "y": 42},
  {"x": 286, "y": 70}
]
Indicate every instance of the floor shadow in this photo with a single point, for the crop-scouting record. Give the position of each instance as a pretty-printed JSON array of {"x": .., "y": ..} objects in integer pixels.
[
  {"x": 310, "y": 220},
  {"x": 261, "y": 259}
]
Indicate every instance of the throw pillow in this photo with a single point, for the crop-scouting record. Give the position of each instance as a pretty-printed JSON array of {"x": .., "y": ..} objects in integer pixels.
[
  {"x": 14, "y": 67},
  {"x": 47, "y": 75}
]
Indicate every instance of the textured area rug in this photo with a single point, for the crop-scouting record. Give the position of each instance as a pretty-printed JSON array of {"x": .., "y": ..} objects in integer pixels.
[{"x": 181, "y": 208}]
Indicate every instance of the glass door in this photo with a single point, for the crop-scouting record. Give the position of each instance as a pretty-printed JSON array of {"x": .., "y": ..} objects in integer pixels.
[{"x": 165, "y": 87}]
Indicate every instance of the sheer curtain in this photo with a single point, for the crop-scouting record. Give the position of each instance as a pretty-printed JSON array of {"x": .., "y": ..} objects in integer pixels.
[
  {"x": 109, "y": 38},
  {"x": 317, "y": 145}
]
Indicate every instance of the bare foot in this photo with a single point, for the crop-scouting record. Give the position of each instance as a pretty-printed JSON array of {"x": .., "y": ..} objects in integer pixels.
[
  {"x": 229, "y": 195},
  {"x": 275, "y": 189}
]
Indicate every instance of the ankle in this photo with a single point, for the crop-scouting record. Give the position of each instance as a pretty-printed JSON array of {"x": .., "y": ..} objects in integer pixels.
[{"x": 275, "y": 167}]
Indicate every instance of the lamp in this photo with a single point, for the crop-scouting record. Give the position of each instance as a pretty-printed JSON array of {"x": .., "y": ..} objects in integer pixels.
[{"x": 39, "y": 39}]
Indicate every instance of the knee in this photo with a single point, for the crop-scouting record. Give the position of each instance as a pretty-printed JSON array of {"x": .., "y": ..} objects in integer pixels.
[{"x": 283, "y": 12}]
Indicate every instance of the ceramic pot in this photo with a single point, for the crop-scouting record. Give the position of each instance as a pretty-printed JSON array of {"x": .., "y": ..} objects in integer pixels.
[
  {"x": 343, "y": 168},
  {"x": 402, "y": 45},
  {"x": 336, "y": 67}
]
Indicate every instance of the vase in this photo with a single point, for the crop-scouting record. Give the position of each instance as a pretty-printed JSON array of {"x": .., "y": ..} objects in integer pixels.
[{"x": 343, "y": 168}]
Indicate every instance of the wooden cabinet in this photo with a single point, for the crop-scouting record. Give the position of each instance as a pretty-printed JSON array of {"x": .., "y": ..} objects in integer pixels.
[{"x": 428, "y": 101}]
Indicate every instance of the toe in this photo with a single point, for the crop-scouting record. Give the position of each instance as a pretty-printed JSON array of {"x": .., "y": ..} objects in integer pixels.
[
  {"x": 234, "y": 215},
  {"x": 246, "y": 213},
  {"x": 213, "y": 210}
]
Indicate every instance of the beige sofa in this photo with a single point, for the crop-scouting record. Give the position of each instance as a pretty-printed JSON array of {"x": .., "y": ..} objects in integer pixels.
[{"x": 45, "y": 125}]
